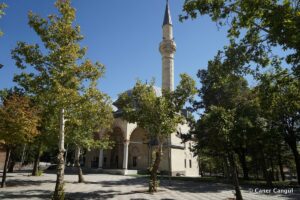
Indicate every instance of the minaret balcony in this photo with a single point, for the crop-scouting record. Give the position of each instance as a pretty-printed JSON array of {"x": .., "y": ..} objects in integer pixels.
[{"x": 167, "y": 47}]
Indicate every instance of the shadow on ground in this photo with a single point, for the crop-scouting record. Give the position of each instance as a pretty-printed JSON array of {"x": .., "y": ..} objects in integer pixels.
[
  {"x": 14, "y": 182},
  {"x": 28, "y": 194},
  {"x": 108, "y": 194},
  {"x": 114, "y": 188},
  {"x": 180, "y": 186}
]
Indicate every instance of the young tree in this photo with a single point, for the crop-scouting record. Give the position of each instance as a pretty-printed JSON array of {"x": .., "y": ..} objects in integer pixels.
[
  {"x": 18, "y": 124},
  {"x": 44, "y": 141},
  {"x": 92, "y": 113},
  {"x": 61, "y": 73},
  {"x": 158, "y": 115}
]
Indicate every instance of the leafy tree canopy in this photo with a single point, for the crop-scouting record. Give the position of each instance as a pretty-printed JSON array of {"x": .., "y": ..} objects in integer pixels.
[
  {"x": 260, "y": 25},
  {"x": 19, "y": 120}
]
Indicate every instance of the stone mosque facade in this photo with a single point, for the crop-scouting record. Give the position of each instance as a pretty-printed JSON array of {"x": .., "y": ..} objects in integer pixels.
[{"x": 131, "y": 153}]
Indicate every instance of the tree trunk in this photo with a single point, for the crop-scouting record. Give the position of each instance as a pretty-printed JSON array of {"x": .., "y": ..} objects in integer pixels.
[
  {"x": 242, "y": 158},
  {"x": 8, "y": 151},
  {"x": 66, "y": 155},
  {"x": 266, "y": 172},
  {"x": 11, "y": 165},
  {"x": 255, "y": 166},
  {"x": 293, "y": 146},
  {"x": 36, "y": 164},
  {"x": 59, "y": 193},
  {"x": 235, "y": 179},
  {"x": 22, "y": 157},
  {"x": 272, "y": 170},
  {"x": 276, "y": 175},
  {"x": 153, "y": 184},
  {"x": 77, "y": 164},
  {"x": 281, "y": 167},
  {"x": 226, "y": 168},
  {"x": 59, "y": 187}
]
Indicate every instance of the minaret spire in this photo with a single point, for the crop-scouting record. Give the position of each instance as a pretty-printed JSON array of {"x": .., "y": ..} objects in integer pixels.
[
  {"x": 167, "y": 49},
  {"x": 167, "y": 18}
]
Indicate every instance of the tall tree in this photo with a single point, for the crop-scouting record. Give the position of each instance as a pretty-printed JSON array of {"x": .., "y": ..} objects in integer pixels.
[
  {"x": 214, "y": 132},
  {"x": 61, "y": 72},
  {"x": 158, "y": 115},
  {"x": 18, "y": 124},
  {"x": 223, "y": 92},
  {"x": 256, "y": 28},
  {"x": 91, "y": 114},
  {"x": 280, "y": 97}
]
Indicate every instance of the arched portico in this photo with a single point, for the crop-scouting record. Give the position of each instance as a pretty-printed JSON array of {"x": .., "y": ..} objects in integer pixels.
[
  {"x": 113, "y": 158},
  {"x": 138, "y": 151}
]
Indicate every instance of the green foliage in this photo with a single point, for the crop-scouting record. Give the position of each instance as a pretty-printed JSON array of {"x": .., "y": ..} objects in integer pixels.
[
  {"x": 234, "y": 120},
  {"x": 19, "y": 120},
  {"x": 63, "y": 78},
  {"x": 280, "y": 96},
  {"x": 2, "y": 7},
  {"x": 216, "y": 127},
  {"x": 158, "y": 115},
  {"x": 91, "y": 114},
  {"x": 221, "y": 85},
  {"x": 257, "y": 124},
  {"x": 258, "y": 25}
]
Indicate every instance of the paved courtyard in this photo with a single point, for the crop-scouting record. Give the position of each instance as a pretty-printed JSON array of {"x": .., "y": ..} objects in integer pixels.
[{"x": 103, "y": 186}]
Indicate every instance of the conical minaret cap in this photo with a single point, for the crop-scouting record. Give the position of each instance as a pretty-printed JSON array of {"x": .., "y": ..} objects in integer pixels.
[{"x": 167, "y": 18}]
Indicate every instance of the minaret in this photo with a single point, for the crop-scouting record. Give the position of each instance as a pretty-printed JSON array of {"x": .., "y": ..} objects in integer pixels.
[{"x": 167, "y": 49}]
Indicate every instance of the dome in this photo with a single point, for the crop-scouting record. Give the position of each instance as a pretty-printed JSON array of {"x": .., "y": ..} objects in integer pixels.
[
  {"x": 117, "y": 112},
  {"x": 157, "y": 91}
]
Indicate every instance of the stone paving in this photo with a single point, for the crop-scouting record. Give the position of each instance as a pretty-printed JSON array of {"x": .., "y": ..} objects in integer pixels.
[{"x": 103, "y": 186}]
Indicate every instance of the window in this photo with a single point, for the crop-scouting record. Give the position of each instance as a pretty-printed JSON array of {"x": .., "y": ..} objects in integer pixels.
[
  {"x": 134, "y": 161},
  {"x": 184, "y": 163},
  {"x": 190, "y": 163},
  {"x": 190, "y": 146}
]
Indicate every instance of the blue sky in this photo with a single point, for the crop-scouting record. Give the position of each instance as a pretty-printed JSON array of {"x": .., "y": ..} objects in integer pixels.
[{"x": 123, "y": 35}]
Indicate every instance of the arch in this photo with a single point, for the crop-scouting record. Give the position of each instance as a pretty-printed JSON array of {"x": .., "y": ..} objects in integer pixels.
[
  {"x": 120, "y": 124},
  {"x": 113, "y": 158},
  {"x": 138, "y": 151},
  {"x": 131, "y": 127}
]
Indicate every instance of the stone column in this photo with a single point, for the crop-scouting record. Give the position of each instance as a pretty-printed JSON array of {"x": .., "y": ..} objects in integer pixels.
[
  {"x": 100, "y": 164},
  {"x": 125, "y": 154}
]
